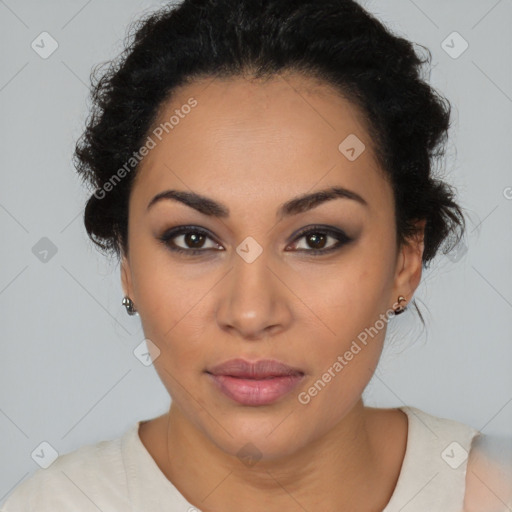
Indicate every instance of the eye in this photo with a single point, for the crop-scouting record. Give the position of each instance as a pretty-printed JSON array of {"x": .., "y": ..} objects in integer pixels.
[
  {"x": 317, "y": 237},
  {"x": 188, "y": 239}
]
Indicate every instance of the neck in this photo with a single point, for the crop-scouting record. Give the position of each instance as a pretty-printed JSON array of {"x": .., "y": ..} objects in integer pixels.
[{"x": 342, "y": 470}]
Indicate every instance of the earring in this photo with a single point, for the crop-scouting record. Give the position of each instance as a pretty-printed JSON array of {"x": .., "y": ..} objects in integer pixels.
[
  {"x": 400, "y": 308},
  {"x": 128, "y": 304}
]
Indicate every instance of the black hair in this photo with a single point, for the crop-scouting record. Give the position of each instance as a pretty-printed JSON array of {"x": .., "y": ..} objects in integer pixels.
[{"x": 336, "y": 41}]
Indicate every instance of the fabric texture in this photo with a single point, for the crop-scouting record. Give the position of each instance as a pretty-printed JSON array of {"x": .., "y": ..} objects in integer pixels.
[{"x": 121, "y": 475}]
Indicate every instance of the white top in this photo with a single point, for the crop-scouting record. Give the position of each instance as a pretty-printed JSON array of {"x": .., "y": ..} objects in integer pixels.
[{"x": 120, "y": 475}]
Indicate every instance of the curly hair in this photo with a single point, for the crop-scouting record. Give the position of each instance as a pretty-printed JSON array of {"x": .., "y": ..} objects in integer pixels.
[{"x": 336, "y": 41}]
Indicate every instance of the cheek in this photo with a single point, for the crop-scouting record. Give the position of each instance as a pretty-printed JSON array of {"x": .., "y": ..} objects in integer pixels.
[
  {"x": 339, "y": 386},
  {"x": 176, "y": 315},
  {"x": 350, "y": 293},
  {"x": 353, "y": 304},
  {"x": 345, "y": 360},
  {"x": 163, "y": 288}
]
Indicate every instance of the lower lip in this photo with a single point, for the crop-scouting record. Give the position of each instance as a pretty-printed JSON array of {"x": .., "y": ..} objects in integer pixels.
[{"x": 253, "y": 391}]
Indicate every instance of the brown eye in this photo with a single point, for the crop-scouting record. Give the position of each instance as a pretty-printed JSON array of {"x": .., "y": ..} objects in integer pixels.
[
  {"x": 188, "y": 239},
  {"x": 193, "y": 240},
  {"x": 316, "y": 240}
]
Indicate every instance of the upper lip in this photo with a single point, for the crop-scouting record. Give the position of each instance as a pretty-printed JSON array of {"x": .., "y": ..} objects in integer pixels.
[{"x": 264, "y": 368}]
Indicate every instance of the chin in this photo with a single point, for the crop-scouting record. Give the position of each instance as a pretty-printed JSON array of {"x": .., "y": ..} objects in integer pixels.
[{"x": 258, "y": 437}]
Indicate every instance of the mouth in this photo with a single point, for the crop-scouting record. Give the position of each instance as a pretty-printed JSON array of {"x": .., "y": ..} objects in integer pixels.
[{"x": 260, "y": 383}]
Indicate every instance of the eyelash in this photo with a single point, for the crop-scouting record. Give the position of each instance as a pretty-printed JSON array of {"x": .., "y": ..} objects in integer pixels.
[{"x": 339, "y": 235}]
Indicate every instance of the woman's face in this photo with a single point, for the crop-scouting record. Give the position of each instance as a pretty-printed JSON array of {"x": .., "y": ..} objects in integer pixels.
[{"x": 256, "y": 289}]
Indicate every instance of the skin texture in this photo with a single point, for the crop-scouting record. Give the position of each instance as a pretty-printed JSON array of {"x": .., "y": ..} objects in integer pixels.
[{"x": 253, "y": 146}]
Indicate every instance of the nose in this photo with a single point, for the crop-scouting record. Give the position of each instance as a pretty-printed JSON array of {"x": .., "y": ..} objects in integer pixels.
[{"x": 254, "y": 301}]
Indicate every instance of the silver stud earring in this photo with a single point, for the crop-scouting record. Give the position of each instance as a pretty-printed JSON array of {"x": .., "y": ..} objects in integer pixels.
[{"x": 128, "y": 304}]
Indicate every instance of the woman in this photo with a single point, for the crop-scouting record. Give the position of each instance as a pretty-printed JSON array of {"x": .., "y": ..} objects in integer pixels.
[{"x": 263, "y": 170}]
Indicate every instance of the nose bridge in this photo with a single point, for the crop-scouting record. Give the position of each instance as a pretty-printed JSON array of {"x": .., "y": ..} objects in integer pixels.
[
  {"x": 253, "y": 299},
  {"x": 251, "y": 279}
]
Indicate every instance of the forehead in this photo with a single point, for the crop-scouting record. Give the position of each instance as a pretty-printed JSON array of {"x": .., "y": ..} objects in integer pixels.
[{"x": 274, "y": 138}]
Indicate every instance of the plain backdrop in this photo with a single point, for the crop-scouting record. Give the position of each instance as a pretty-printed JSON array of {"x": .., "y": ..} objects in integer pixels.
[{"x": 68, "y": 375}]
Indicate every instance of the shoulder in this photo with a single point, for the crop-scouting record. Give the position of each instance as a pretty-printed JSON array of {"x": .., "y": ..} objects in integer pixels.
[
  {"x": 434, "y": 466},
  {"x": 481, "y": 465},
  {"x": 489, "y": 475},
  {"x": 447, "y": 440},
  {"x": 82, "y": 479}
]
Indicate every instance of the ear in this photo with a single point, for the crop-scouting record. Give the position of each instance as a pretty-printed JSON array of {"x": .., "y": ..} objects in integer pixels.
[
  {"x": 409, "y": 264},
  {"x": 126, "y": 276}
]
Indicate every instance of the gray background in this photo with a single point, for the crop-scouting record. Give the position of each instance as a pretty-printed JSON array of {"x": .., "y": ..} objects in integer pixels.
[{"x": 68, "y": 374}]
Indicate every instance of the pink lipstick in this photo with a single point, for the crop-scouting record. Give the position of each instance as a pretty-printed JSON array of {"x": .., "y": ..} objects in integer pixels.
[{"x": 255, "y": 383}]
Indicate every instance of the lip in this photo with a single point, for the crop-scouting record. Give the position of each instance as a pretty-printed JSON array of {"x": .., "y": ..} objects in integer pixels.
[
  {"x": 254, "y": 370},
  {"x": 255, "y": 383}
]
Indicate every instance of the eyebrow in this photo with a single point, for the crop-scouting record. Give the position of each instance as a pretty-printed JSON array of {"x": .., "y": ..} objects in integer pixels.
[{"x": 294, "y": 206}]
